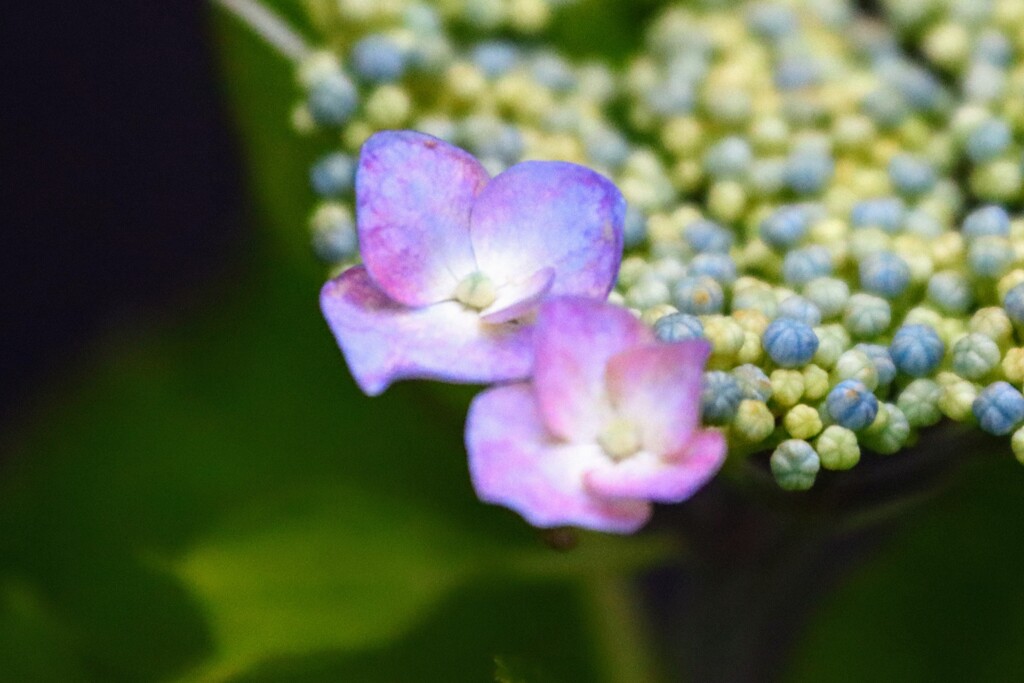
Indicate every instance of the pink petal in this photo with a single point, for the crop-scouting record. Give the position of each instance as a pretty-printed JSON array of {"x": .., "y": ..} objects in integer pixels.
[
  {"x": 515, "y": 462},
  {"x": 665, "y": 480},
  {"x": 383, "y": 340},
  {"x": 541, "y": 214},
  {"x": 657, "y": 388},
  {"x": 517, "y": 299},
  {"x": 414, "y": 194},
  {"x": 575, "y": 338}
]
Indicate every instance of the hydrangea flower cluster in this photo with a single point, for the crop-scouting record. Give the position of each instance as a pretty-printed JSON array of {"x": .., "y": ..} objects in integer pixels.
[{"x": 827, "y": 202}]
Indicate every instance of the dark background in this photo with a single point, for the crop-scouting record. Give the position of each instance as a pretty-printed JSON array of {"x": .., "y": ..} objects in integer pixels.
[{"x": 123, "y": 181}]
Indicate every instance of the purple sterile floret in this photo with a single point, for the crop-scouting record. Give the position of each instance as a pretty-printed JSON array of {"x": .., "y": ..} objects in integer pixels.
[
  {"x": 609, "y": 424},
  {"x": 455, "y": 263}
]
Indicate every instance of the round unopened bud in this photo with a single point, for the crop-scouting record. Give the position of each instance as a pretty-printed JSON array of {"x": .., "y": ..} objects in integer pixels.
[
  {"x": 802, "y": 421},
  {"x": 837, "y": 448},
  {"x": 787, "y": 387},
  {"x": 754, "y": 422},
  {"x": 795, "y": 465}
]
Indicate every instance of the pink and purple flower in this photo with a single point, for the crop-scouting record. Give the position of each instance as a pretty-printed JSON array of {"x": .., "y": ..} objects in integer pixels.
[
  {"x": 609, "y": 424},
  {"x": 455, "y": 263}
]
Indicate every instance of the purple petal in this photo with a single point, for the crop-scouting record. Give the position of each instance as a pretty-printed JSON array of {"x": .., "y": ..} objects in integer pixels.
[
  {"x": 414, "y": 194},
  {"x": 657, "y": 388},
  {"x": 575, "y": 338},
  {"x": 665, "y": 480},
  {"x": 517, "y": 299},
  {"x": 515, "y": 462},
  {"x": 541, "y": 214},
  {"x": 383, "y": 340}
]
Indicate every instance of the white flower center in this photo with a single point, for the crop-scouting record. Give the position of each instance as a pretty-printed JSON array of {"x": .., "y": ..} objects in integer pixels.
[
  {"x": 476, "y": 291},
  {"x": 620, "y": 439}
]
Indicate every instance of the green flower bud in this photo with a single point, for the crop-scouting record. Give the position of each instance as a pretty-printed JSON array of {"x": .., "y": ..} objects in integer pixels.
[
  {"x": 753, "y": 422},
  {"x": 992, "y": 322},
  {"x": 855, "y": 364},
  {"x": 816, "y": 382},
  {"x": 802, "y": 422},
  {"x": 919, "y": 402},
  {"x": 787, "y": 387},
  {"x": 837, "y": 448},
  {"x": 892, "y": 437},
  {"x": 957, "y": 398},
  {"x": 1017, "y": 443},
  {"x": 795, "y": 465}
]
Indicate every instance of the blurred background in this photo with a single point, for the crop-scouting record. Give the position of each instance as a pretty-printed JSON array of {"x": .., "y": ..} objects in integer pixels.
[{"x": 192, "y": 489}]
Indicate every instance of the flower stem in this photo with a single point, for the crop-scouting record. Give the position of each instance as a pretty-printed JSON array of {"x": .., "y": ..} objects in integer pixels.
[{"x": 269, "y": 26}]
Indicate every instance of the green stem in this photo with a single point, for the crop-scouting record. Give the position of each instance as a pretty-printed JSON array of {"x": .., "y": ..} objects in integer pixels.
[{"x": 269, "y": 26}]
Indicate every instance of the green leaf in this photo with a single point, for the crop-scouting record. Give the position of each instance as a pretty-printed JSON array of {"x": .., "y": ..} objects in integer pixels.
[
  {"x": 212, "y": 497},
  {"x": 942, "y": 601}
]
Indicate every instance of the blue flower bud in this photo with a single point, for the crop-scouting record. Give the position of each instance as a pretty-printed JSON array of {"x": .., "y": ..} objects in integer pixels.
[
  {"x": 917, "y": 350},
  {"x": 634, "y": 227},
  {"x": 719, "y": 267},
  {"x": 884, "y": 273},
  {"x": 829, "y": 294},
  {"x": 729, "y": 158},
  {"x": 991, "y": 220},
  {"x": 332, "y": 99},
  {"x": 707, "y": 236},
  {"x": 552, "y": 71},
  {"x": 676, "y": 327},
  {"x": 950, "y": 291},
  {"x": 866, "y": 315},
  {"x": 495, "y": 58},
  {"x": 785, "y": 227},
  {"x": 886, "y": 213},
  {"x": 754, "y": 383},
  {"x": 333, "y": 175},
  {"x": 698, "y": 295},
  {"x": 993, "y": 47},
  {"x": 720, "y": 396},
  {"x": 808, "y": 172},
  {"x": 975, "y": 356},
  {"x": 378, "y": 59},
  {"x": 884, "y": 364},
  {"x": 986, "y": 142},
  {"x": 770, "y": 20},
  {"x": 421, "y": 18},
  {"x": 851, "y": 405},
  {"x": 800, "y": 266},
  {"x": 793, "y": 73},
  {"x": 606, "y": 147},
  {"x": 1013, "y": 303},
  {"x": 990, "y": 257},
  {"x": 797, "y": 307},
  {"x": 911, "y": 175},
  {"x": 999, "y": 408},
  {"x": 790, "y": 343},
  {"x": 795, "y": 465}
]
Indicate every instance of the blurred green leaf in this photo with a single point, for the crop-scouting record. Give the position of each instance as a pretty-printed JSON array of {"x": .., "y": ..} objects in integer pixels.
[
  {"x": 213, "y": 498},
  {"x": 942, "y": 601}
]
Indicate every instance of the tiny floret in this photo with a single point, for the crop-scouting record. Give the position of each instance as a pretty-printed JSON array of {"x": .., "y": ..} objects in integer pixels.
[
  {"x": 676, "y": 327},
  {"x": 837, "y": 448},
  {"x": 720, "y": 396}
]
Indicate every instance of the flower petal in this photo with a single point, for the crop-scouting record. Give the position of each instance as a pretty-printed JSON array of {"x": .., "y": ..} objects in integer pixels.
[
  {"x": 514, "y": 461},
  {"x": 383, "y": 340},
  {"x": 575, "y": 338},
  {"x": 541, "y": 214},
  {"x": 664, "y": 480},
  {"x": 414, "y": 194},
  {"x": 657, "y": 388},
  {"x": 519, "y": 298}
]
